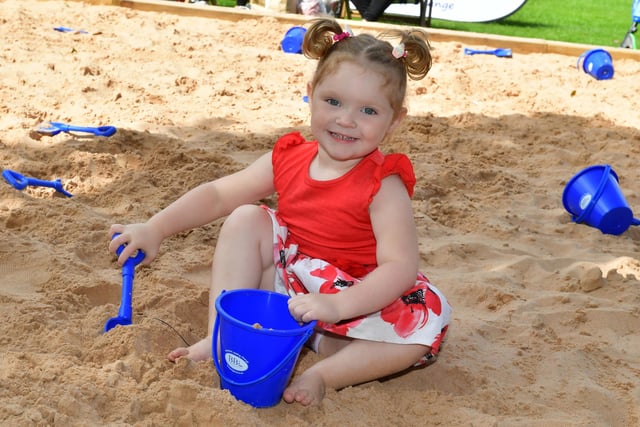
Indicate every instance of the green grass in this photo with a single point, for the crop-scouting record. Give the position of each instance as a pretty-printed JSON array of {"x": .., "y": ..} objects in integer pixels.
[
  {"x": 595, "y": 22},
  {"x": 225, "y": 3}
]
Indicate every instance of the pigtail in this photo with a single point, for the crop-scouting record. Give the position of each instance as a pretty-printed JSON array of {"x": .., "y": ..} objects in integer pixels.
[
  {"x": 417, "y": 58},
  {"x": 319, "y": 37}
]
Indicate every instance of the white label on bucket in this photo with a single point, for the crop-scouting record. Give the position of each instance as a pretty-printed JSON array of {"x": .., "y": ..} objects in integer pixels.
[
  {"x": 585, "y": 200},
  {"x": 236, "y": 362}
]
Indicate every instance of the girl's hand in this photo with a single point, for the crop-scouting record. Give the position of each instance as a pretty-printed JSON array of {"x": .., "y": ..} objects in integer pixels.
[
  {"x": 308, "y": 307},
  {"x": 135, "y": 237}
]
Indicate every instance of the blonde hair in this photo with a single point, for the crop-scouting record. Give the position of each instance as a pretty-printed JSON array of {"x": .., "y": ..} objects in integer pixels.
[{"x": 369, "y": 51}]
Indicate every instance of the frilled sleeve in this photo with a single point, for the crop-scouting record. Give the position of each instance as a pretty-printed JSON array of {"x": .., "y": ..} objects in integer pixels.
[
  {"x": 284, "y": 142},
  {"x": 399, "y": 164}
]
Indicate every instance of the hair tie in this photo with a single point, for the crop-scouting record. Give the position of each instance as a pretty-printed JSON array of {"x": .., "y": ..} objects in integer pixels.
[
  {"x": 398, "y": 51},
  {"x": 343, "y": 35}
]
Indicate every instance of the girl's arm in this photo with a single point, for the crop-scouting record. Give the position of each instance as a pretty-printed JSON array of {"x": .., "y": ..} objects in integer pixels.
[
  {"x": 199, "y": 206},
  {"x": 397, "y": 253}
]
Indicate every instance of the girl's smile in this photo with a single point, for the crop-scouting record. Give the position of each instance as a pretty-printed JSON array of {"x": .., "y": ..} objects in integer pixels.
[{"x": 341, "y": 138}]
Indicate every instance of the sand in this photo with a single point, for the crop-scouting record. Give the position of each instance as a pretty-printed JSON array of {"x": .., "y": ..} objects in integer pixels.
[{"x": 546, "y": 327}]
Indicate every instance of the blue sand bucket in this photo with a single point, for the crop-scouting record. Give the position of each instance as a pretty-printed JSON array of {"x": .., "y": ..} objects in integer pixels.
[
  {"x": 597, "y": 63},
  {"x": 292, "y": 41},
  {"x": 593, "y": 196},
  {"x": 259, "y": 343}
]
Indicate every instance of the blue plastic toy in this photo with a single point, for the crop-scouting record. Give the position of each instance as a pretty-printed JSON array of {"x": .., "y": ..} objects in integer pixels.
[
  {"x": 54, "y": 128},
  {"x": 500, "y": 52},
  {"x": 69, "y": 30},
  {"x": 20, "y": 182},
  {"x": 128, "y": 272}
]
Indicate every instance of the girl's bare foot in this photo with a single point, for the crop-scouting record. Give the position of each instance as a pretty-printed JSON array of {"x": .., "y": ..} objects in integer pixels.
[
  {"x": 197, "y": 352},
  {"x": 307, "y": 390}
]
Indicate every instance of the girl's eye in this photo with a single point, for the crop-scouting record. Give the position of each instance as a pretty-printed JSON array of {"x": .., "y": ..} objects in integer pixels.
[
  {"x": 333, "y": 101},
  {"x": 370, "y": 111}
]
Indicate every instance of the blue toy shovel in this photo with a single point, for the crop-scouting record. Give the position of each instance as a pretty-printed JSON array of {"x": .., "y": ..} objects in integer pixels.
[
  {"x": 500, "y": 52},
  {"x": 21, "y": 182},
  {"x": 128, "y": 272},
  {"x": 54, "y": 128},
  {"x": 69, "y": 30}
]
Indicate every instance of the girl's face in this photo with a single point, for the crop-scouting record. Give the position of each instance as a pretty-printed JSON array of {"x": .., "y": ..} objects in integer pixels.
[{"x": 351, "y": 113}]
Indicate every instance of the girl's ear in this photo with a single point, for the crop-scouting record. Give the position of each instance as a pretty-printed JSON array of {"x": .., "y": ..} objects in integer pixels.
[{"x": 400, "y": 116}]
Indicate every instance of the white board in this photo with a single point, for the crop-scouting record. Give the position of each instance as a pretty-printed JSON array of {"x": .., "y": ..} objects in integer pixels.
[{"x": 458, "y": 10}]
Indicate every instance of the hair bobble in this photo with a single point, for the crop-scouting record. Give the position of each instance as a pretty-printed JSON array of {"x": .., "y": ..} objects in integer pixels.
[
  {"x": 343, "y": 35},
  {"x": 398, "y": 51}
]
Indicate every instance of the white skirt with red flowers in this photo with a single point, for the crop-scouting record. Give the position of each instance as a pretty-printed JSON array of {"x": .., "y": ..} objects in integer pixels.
[{"x": 420, "y": 316}]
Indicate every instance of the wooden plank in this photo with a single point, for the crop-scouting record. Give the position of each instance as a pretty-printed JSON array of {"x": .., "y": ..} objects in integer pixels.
[
  {"x": 103, "y": 2},
  {"x": 516, "y": 44}
]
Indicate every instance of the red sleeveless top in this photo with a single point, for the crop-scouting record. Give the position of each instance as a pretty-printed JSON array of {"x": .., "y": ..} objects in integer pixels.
[{"x": 330, "y": 219}]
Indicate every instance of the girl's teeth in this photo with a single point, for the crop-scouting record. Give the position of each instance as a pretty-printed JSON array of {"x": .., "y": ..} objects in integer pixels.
[{"x": 342, "y": 137}]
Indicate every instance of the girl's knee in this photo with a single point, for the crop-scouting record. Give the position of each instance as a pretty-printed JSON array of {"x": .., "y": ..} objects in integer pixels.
[{"x": 246, "y": 217}]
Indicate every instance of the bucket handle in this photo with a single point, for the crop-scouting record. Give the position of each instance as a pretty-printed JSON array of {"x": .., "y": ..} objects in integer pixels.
[
  {"x": 603, "y": 183},
  {"x": 293, "y": 353},
  {"x": 581, "y": 57}
]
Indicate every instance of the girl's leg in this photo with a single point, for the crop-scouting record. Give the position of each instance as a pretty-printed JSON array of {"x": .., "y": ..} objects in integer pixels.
[
  {"x": 243, "y": 259},
  {"x": 354, "y": 362}
]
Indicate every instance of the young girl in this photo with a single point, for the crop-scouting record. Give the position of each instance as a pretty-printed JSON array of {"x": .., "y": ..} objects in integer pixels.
[{"x": 342, "y": 242}]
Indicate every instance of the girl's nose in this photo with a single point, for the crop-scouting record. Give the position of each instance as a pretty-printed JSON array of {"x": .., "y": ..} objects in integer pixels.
[{"x": 345, "y": 118}]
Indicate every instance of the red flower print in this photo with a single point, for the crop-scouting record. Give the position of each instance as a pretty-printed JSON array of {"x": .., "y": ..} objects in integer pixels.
[
  {"x": 341, "y": 328},
  {"x": 411, "y": 310},
  {"x": 335, "y": 281}
]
